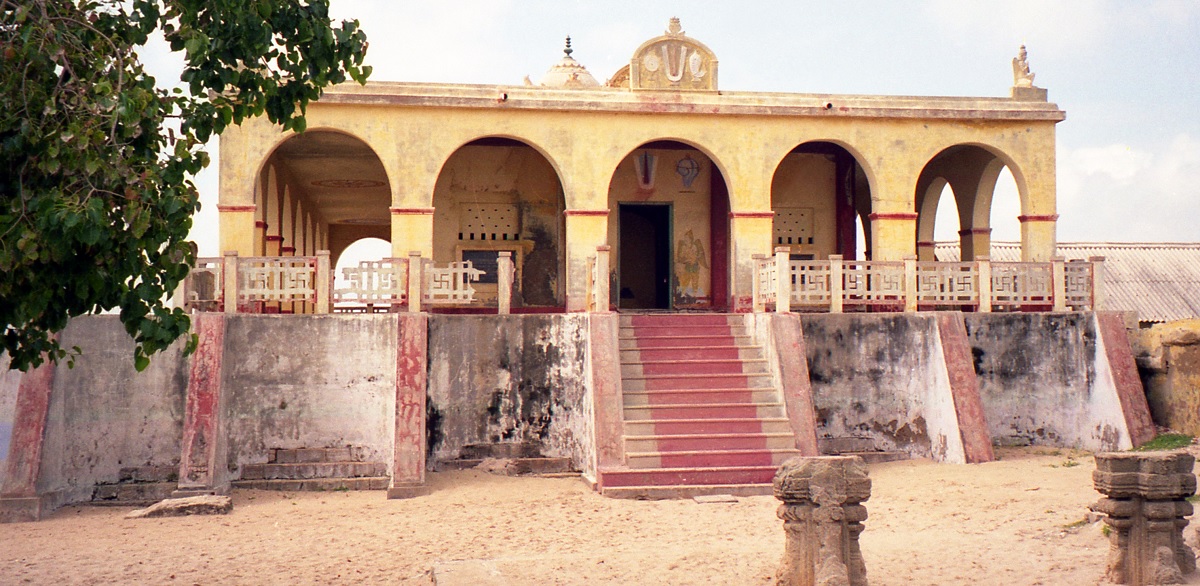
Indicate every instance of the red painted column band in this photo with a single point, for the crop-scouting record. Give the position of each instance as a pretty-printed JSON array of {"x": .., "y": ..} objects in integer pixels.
[
  {"x": 964, "y": 388},
  {"x": 408, "y": 468},
  {"x": 792, "y": 352},
  {"x": 1111, "y": 326},
  {"x": 29, "y": 432},
  {"x": 201, "y": 417}
]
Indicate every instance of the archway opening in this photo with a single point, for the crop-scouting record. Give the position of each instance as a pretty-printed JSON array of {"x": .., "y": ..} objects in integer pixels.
[
  {"x": 819, "y": 194},
  {"x": 962, "y": 182},
  {"x": 670, "y": 240},
  {"x": 499, "y": 194},
  {"x": 321, "y": 190},
  {"x": 364, "y": 250}
]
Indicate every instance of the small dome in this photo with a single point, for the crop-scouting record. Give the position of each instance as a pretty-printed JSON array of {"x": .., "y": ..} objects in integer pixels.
[{"x": 569, "y": 73}]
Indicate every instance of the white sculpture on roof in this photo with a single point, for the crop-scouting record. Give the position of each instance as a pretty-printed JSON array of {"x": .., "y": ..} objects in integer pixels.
[{"x": 1022, "y": 77}]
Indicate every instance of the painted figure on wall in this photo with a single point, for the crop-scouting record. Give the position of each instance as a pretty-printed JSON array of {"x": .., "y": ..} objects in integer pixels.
[{"x": 690, "y": 258}]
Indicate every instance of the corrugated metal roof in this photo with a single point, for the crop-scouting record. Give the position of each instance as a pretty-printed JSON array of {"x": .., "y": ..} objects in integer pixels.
[{"x": 1159, "y": 281}]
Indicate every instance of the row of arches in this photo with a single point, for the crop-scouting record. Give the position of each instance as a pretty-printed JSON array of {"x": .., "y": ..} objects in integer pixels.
[{"x": 668, "y": 210}]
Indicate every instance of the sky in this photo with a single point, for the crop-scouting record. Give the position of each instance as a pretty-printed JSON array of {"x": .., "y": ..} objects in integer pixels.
[{"x": 1126, "y": 73}]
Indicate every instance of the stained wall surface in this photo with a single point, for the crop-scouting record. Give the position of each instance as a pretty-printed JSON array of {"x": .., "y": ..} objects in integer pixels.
[
  {"x": 509, "y": 379},
  {"x": 104, "y": 415},
  {"x": 883, "y": 377},
  {"x": 1045, "y": 380},
  {"x": 9, "y": 380},
  {"x": 312, "y": 382}
]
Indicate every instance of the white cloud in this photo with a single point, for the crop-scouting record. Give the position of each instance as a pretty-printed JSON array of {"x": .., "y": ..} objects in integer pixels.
[{"x": 1118, "y": 193}]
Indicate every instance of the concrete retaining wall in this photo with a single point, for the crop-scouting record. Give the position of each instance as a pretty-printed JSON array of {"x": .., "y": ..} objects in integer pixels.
[
  {"x": 509, "y": 379},
  {"x": 104, "y": 415},
  {"x": 308, "y": 382},
  {"x": 9, "y": 381},
  {"x": 1044, "y": 379},
  {"x": 882, "y": 376}
]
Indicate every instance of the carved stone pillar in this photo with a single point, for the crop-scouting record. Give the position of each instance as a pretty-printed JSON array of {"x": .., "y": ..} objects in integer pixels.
[
  {"x": 822, "y": 516},
  {"x": 1146, "y": 505}
]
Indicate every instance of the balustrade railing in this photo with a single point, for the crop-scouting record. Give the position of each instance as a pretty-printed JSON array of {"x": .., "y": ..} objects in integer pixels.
[
  {"x": 305, "y": 284},
  {"x": 834, "y": 284}
]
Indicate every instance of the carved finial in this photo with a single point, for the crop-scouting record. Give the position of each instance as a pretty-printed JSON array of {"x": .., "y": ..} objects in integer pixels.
[
  {"x": 1022, "y": 77},
  {"x": 568, "y": 50},
  {"x": 674, "y": 29}
]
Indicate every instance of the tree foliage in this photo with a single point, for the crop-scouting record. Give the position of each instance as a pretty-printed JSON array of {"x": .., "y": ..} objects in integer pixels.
[{"x": 96, "y": 195}]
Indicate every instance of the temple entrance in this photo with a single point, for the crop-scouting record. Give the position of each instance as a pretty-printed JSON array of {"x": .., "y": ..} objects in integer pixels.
[{"x": 645, "y": 261}]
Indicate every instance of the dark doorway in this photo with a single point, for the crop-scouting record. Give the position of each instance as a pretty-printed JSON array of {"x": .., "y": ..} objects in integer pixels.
[{"x": 645, "y": 238}]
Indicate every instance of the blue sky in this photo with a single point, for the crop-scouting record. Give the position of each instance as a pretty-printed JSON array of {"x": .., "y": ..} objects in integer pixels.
[{"x": 1126, "y": 73}]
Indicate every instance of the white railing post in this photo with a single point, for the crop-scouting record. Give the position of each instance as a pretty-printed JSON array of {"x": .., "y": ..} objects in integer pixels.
[
  {"x": 323, "y": 282},
  {"x": 1058, "y": 276},
  {"x": 835, "y": 283},
  {"x": 504, "y": 279},
  {"x": 758, "y": 304},
  {"x": 230, "y": 279},
  {"x": 983, "y": 269},
  {"x": 1097, "y": 282},
  {"x": 415, "y": 281},
  {"x": 783, "y": 280},
  {"x": 602, "y": 292},
  {"x": 910, "y": 282},
  {"x": 589, "y": 291}
]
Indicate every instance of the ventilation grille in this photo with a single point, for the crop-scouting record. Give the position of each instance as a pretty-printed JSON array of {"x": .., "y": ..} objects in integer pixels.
[
  {"x": 793, "y": 226},
  {"x": 490, "y": 222}
]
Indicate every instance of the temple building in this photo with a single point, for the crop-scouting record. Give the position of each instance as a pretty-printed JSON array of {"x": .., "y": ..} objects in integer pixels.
[{"x": 683, "y": 180}]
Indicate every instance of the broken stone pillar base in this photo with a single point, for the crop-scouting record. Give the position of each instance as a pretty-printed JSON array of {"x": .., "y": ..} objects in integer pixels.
[
  {"x": 1146, "y": 507},
  {"x": 822, "y": 516}
]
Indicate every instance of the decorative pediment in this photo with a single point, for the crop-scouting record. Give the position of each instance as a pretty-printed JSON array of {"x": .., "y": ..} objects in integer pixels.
[{"x": 673, "y": 61}]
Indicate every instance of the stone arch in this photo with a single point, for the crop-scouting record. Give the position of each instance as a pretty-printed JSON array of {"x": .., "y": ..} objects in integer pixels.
[
  {"x": 337, "y": 179},
  {"x": 679, "y": 194},
  {"x": 503, "y": 193},
  {"x": 971, "y": 170},
  {"x": 819, "y": 188}
]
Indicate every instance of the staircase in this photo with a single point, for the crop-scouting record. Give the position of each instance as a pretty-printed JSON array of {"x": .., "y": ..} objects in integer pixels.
[
  {"x": 701, "y": 413},
  {"x": 314, "y": 469}
]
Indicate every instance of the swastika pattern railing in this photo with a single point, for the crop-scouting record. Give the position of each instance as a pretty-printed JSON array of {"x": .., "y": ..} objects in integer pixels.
[
  {"x": 981, "y": 285},
  {"x": 277, "y": 279},
  {"x": 373, "y": 284},
  {"x": 450, "y": 284},
  {"x": 947, "y": 283},
  {"x": 1022, "y": 283}
]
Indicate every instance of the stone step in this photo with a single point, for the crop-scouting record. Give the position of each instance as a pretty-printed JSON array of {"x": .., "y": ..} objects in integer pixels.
[
  {"x": 713, "y": 441},
  {"x": 645, "y": 368},
  {"x": 707, "y": 426},
  {"x": 878, "y": 457},
  {"x": 132, "y": 493},
  {"x": 721, "y": 475},
  {"x": 512, "y": 466},
  {"x": 303, "y": 471},
  {"x": 680, "y": 331},
  {"x": 316, "y": 484},
  {"x": 702, "y": 319},
  {"x": 697, "y": 396},
  {"x": 740, "y": 410},
  {"x": 626, "y": 343},
  {"x": 160, "y": 473},
  {"x": 685, "y": 491},
  {"x": 696, "y": 381},
  {"x": 831, "y": 446},
  {"x": 709, "y": 458},
  {"x": 714, "y": 352},
  {"x": 310, "y": 455},
  {"x": 500, "y": 450}
]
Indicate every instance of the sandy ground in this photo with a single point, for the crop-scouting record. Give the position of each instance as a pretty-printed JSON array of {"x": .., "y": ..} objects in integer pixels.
[{"x": 1020, "y": 520}]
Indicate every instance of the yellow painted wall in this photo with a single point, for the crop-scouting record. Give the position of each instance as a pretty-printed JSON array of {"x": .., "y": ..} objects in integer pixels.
[{"x": 587, "y": 144}]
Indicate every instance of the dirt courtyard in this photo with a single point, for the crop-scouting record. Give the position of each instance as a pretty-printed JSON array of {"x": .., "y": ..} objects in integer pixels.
[{"x": 1016, "y": 521}]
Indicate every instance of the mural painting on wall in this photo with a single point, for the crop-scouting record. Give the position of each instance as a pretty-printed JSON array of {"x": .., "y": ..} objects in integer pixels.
[
  {"x": 688, "y": 169},
  {"x": 690, "y": 260},
  {"x": 645, "y": 165}
]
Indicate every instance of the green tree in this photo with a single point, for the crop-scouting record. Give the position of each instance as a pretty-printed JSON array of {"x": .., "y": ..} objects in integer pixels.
[{"x": 96, "y": 161}]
